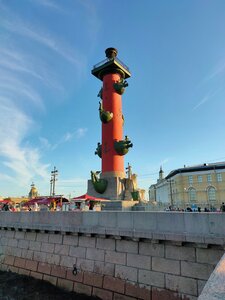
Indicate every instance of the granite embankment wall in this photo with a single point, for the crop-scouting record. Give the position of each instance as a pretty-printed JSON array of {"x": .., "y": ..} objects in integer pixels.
[
  {"x": 215, "y": 288},
  {"x": 115, "y": 255}
]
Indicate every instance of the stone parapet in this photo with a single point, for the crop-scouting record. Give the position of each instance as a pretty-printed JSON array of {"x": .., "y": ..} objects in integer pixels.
[{"x": 206, "y": 228}]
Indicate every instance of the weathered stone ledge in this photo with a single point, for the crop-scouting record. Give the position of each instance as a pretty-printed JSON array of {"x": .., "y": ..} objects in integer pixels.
[
  {"x": 198, "y": 228},
  {"x": 215, "y": 288}
]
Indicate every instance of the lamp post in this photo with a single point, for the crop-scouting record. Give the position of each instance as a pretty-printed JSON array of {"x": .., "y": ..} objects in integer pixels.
[
  {"x": 185, "y": 197},
  {"x": 51, "y": 187},
  {"x": 54, "y": 174}
]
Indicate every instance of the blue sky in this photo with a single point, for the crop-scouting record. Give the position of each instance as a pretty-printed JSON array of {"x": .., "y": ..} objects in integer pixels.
[{"x": 174, "y": 106}]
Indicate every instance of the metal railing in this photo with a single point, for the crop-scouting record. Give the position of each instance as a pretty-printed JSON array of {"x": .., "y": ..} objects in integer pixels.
[{"x": 110, "y": 59}]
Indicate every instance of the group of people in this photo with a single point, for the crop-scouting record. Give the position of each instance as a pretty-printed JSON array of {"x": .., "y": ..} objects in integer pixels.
[
  {"x": 9, "y": 207},
  {"x": 222, "y": 208},
  {"x": 6, "y": 207},
  {"x": 197, "y": 209},
  {"x": 34, "y": 207}
]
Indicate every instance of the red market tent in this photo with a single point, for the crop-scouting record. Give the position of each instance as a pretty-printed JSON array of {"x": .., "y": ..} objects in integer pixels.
[
  {"x": 87, "y": 197},
  {"x": 4, "y": 201},
  {"x": 45, "y": 200}
]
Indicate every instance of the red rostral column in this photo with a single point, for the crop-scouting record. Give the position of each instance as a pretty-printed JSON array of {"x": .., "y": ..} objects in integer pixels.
[
  {"x": 112, "y": 72},
  {"x": 112, "y": 163}
]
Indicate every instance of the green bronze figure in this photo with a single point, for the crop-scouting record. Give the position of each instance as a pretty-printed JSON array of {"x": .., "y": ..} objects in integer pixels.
[
  {"x": 105, "y": 116},
  {"x": 99, "y": 150},
  {"x": 122, "y": 146},
  {"x": 100, "y": 185},
  {"x": 100, "y": 93},
  {"x": 120, "y": 86}
]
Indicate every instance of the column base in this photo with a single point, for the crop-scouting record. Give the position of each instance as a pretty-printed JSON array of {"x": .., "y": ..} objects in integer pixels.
[
  {"x": 115, "y": 189},
  {"x": 112, "y": 174},
  {"x": 118, "y": 188}
]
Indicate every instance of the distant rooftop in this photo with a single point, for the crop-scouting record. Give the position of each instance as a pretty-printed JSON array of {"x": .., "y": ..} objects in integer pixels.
[{"x": 202, "y": 167}]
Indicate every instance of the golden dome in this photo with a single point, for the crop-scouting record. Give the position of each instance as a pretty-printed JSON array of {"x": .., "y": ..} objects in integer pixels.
[{"x": 33, "y": 191}]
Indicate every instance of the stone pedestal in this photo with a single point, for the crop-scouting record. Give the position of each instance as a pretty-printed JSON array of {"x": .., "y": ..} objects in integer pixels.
[
  {"x": 115, "y": 189},
  {"x": 118, "y": 205},
  {"x": 118, "y": 188}
]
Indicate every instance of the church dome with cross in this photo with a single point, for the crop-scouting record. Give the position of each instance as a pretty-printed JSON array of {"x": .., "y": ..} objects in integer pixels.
[{"x": 33, "y": 191}]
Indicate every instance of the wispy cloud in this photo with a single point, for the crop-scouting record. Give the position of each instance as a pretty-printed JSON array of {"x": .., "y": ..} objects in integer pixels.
[
  {"x": 80, "y": 132},
  {"x": 218, "y": 70},
  {"x": 212, "y": 83},
  {"x": 202, "y": 101},
  {"x": 23, "y": 161},
  {"x": 49, "y": 4},
  {"x": 10, "y": 87},
  {"x": 18, "y": 26},
  {"x": 31, "y": 60},
  {"x": 206, "y": 98},
  {"x": 67, "y": 137},
  {"x": 18, "y": 93},
  {"x": 15, "y": 61},
  {"x": 93, "y": 21},
  {"x": 45, "y": 143},
  {"x": 6, "y": 177}
]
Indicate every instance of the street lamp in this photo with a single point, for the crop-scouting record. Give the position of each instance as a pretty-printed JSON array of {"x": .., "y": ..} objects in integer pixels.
[{"x": 54, "y": 174}]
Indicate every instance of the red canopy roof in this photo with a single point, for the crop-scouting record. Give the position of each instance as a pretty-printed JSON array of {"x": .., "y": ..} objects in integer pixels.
[
  {"x": 4, "y": 201},
  {"x": 88, "y": 197},
  {"x": 45, "y": 200}
]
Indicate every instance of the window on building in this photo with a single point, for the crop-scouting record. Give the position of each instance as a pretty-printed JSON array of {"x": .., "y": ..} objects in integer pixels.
[
  {"x": 190, "y": 179},
  {"x": 219, "y": 177},
  {"x": 199, "y": 178},
  {"x": 212, "y": 194},
  {"x": 209, "y": 177},
  {"x": 192, "y": 194}
]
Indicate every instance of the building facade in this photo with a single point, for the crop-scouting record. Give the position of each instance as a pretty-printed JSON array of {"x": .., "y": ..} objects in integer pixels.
[{"x": 201, "y": 185}]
